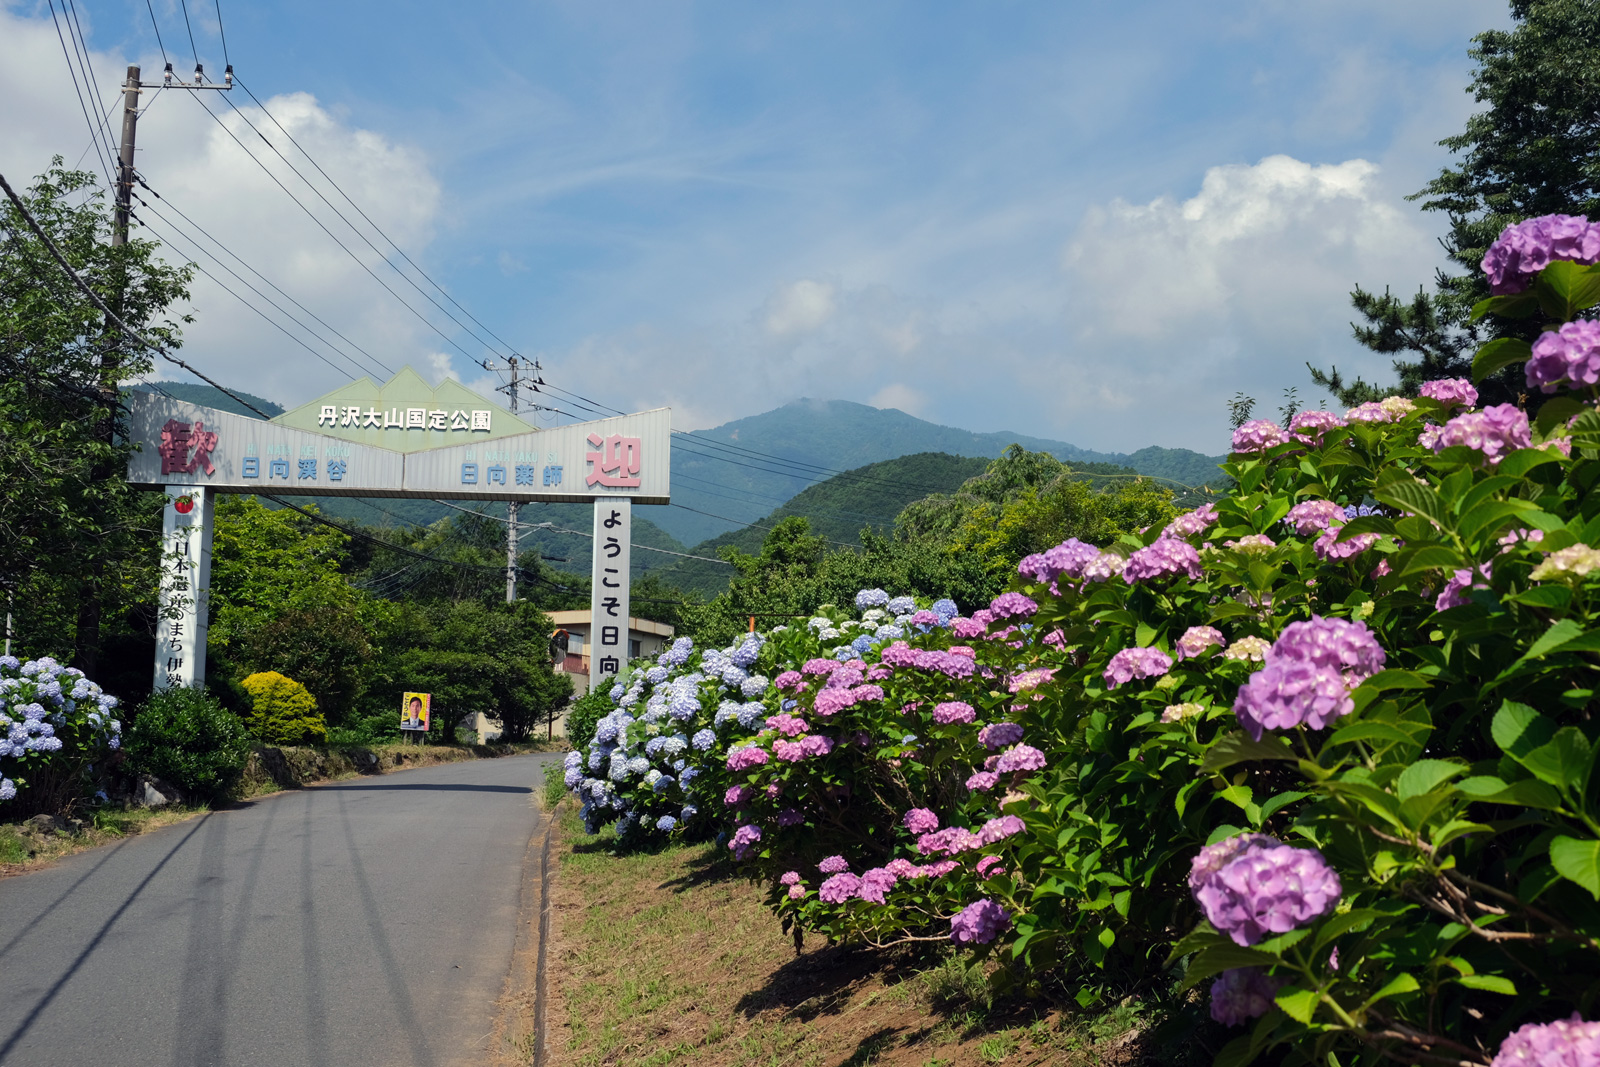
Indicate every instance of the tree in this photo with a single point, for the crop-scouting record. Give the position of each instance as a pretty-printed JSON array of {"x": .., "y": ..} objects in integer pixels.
[
  {"x": 74, "y": 538},
  {"x": 1535, "y": 150}
]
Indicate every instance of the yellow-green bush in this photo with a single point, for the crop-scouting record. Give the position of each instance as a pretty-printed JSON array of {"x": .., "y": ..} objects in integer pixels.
[{"x": 282, "y": 711}]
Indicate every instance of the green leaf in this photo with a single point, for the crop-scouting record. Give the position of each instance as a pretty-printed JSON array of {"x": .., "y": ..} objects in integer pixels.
[
  {"x": 1223, "y": 957},
  {"x": 1236, "y": 747},
  {"x": 1556, "y": 411},
  {"x": 1297, "y": 1003},
  {"x": 1501, "y": 352},
  {"x": 1514, "y": 306},
  {"x": 1371, "y": 731},
  {"x": 1527, "y": 793},
  {"x": 1565, "y": 288},
  {"x": 1403, "y": 492},
  {"x": 1424, "y": 775},
  {"x": 1489, "y": 983},
  {"x": 1563, "y": 761},
  {"x": 1397, "y": 679},
  {"x": 1518, "y": 729},
  {"x": 1577, "y": 861},
  {"x": 1560, "y": 632},
  {"x": 1523, "y": 460},
  {"x": 1555, "y": 597},
  {"x": 1431, "y": 558},
  {"x": 1396, "y": 986}
]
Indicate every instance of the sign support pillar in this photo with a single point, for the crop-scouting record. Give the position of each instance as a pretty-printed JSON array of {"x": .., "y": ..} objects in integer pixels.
[
  {"x": 608, "y": 616},
  {"x": 186, "y": 528}
]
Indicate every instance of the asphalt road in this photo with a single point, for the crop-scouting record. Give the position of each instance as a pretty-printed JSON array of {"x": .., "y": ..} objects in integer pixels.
[{"x": 368, "y": 922}]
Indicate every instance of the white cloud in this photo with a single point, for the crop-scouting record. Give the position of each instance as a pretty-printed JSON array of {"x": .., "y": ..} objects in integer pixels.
[
  {"x": 899, "y": 395},
  {"x": 800, "y": 307},
  {"x": 440, "y": 367},
  {"x": 197, "y": 168}
]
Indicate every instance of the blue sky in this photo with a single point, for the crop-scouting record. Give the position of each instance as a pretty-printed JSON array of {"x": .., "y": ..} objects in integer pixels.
[{"x": 1088, "y": 222}]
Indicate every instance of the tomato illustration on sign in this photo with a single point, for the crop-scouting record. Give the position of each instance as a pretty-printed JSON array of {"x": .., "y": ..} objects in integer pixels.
[{"x": 183, "y": 504}]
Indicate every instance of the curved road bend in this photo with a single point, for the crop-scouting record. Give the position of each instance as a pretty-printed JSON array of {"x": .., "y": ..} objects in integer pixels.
[{"x": 367, "y": 922}]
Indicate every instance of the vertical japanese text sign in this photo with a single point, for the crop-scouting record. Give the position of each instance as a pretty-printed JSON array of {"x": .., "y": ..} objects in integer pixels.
[
  {"x": 608, "y": 621},
  {"x": 185, "y": 577}
]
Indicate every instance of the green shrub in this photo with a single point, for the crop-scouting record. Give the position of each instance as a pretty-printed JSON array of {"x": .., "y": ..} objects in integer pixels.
[
  {"x": 366, "y": 730},
  {"x": 186, "y": 737},
  {"x": 585, "y": 714},
  {"x": 283, "y": 712}
]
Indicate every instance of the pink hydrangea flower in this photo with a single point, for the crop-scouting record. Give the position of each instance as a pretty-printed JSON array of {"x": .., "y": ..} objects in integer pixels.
[
  {"x": 953, "y": 711},
  {"x": 1133, "y": 663},
  {"x": 848, "y": 675},
  {"x": 1001, "y": 828},
  {"x": 1164, "y": 558},
  {"x": 797, "y": 892},
  {"x": 1020, "y": 758},
  {"x": 1313, "y": 427},
  {"x": 968, "y": 628},
  {"x": 790, "y": 680},
  {"x": 839, "y": 888},
  {"x": 819, "y": 666},
  {"x": 1267, "y": 890},
  {"x": 1371, "y": 411},
  {"x": 832, "y": 701},
  {"x": 740, "y": 759},
  {"x": 736, "y": 795},
  {"x": 1242, "y": 994},
  {"x": 902, "y": 868},
  {"x": 789, "y": 878},
  {"x": 898, "y": 654},
  {"x": 1451, "y": 392},
  {"x": 1494, "y": 431},
  {"x": 742, "y": 844},
  {"x": 1191, "y": 523},
  {"x": 921, "y": 821},
  {"x": 833, "y": 865},
  {"x": 989, "y": 867},
  {"x": 982, "y": 781},
  {"x": 1328, "y": 545},
  {"x": 1563, "y": 1043},
  {"x": 1012, "y": 606},
  {"x": 1567, "y": 356},
  {"x": 1454, "y": 593},
  {"x": 939, "y": 868},
  {"x": 1258, "y": 435},
  {"x": 875, "y": 884},
  {"x": 1310, "y": 516},
  {"x": 787, "y": 725},
  {"x": 1196, "y": 640},
  {"x": 870, "y": 693}
]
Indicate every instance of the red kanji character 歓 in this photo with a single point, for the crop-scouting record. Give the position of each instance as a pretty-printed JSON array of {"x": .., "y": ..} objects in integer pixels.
[{"x": 174, "y": 447}]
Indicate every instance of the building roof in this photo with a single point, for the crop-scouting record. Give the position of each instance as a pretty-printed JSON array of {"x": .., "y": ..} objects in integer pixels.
[{"x": 581, "y": 619}]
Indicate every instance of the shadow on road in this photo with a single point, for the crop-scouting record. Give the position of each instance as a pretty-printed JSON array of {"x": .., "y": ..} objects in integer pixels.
[{"x": 428, "y": 787}]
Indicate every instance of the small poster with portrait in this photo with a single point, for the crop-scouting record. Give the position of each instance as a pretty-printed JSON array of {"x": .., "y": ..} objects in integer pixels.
[{"x": 414, "y": 709}]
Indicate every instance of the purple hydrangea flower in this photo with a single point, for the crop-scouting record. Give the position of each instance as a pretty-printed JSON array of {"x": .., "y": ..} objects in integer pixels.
[
  {"x": 1454, "y": 593},
  {"x": 1288, "y": 693},
  {"x": 1195, "y": 641},
  {"x": 979, "y": 922},
  {"x": 1212, "y": 858},
  {"x": 749, "y": 756},
  {"x": 1313, "y": 427},
  {"x": 789, "y": 878},
  {"x": 1258, "y": 435},
  {"x": 1494, "y": 431},
  {"x": 953, "y": 711},
  {"x": 1242, "y": 994},
  {"x": 1133, "y": 663},
  {"x": 1371, "y": 411},
  {"x": 1165, "y": 557},
  {"x": 1311, "y": 516},
  {"x": 1191, "y": 523},
  {"x": 921, "y": 821},
  {"x": 1328, "y": 545},
  {"x": 833, "y": 865},
  {"x": 1070, "y": 557},
  {"x": 1020, "y": 758},
  {"x": 1268, "y": 890},
  {"x": 1525, "y": 248},
  {"x": 983, "y": 781},
  {"x": 999, "y": 829},
  {"x": 1570, "y": 354},
  {"x": 1563, "y": 1043},
  {"x": 743, "y": 841},
  {"x": 999, "y": 734},
  {"x": 1012, "y": 606},
  {"x": 839, "y": 888},
  {"x": 790, "y": 817},
  {"x": 1337, "y": 644},
  {"x": 1451, "y": 392},
  {"x": 875, "y": 884}
]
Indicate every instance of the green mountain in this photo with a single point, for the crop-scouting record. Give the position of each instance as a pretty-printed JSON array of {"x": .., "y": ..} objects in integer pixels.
[
  {"x": 739, "y": 471},
  {"x": 209, "y": 397},
  {"x": 838, "y": 509}
]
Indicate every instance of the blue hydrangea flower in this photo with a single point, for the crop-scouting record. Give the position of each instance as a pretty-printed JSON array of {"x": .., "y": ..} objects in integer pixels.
[
  {"x": 945, "y": 609},
  {"x": 749, "y": 651},
  {"x": 862, "y": 644},
  {"x": 652, "y": 747},
  {"x": 656, "y": 675},
  {"x": 662, "y": 783},
  {"x": 733, "y": 677},
  {"x": 673, "y": 745},
  {"x": 680, "y": 651},
  {"x": 688, "y": 775},
  {"x": 754, "y": 686},
  {"x": 689, "y": 811},
  {"x": 902, "y": 605},
  {"x": 572, "y": 759},
  {"x": 703, "y": 739},
  {"x": 909, "y": 739},
  {"x": 572, "y": 777},
  {"x": 683, "y": 708},
  {"x": 844, "y": 653},
  {"x": 596, "y": 757},
  {"x": 678, "y": 765},
  {"x": 617, "y": 691},
  {"x": 638, "y": 765},
  {"x": 618, "y": 770},
  {"x": 666, "y": 824},
  {"x": 727, "y": 712},
  {"x": 790, "y": 704},
  {"x": 889, "y": 633},
  {"x": 752, "y": 715},
  {"x": 871, "y": 598}
]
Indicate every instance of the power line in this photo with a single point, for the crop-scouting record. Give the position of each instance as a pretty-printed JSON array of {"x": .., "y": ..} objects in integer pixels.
[
  {"x": 33, "y": 225},
  {"x": 579, "y": 533},
  {"x": 752, "y": 525},
  {"x": 400, "y": 251},
  {"x": 159, "y": 43},
  {"x": 287, "y": 314},
  {"x": 221, "y": 33},
  {"x": 73, "y": 71},
  {"x": 185, "y": 4},
  {"x": 81, "y": 43}
]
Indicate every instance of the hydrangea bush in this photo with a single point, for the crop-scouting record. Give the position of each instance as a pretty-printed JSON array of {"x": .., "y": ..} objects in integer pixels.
[
  {"x": 1324, "y": 749},
  {"x": 56, "y": 727}
]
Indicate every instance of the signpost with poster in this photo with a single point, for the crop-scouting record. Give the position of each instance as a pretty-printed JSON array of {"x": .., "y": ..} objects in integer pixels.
[{"x": 414, "y": 711}]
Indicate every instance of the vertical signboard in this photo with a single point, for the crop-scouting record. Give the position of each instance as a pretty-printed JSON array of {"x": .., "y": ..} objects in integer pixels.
[
  {"x": 185, "y": 578},
  {"x": 608, "y": 618}
]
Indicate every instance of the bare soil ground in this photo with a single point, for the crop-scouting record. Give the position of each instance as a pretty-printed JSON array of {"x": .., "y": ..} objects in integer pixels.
[{"x": 664, "y": 958}]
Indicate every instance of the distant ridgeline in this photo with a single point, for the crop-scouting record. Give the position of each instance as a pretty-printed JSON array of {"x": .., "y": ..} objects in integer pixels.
[{"x": 843, "y": 466}]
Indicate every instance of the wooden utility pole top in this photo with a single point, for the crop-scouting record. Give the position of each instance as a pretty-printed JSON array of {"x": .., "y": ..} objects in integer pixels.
[{"x": 130, "y": 127}]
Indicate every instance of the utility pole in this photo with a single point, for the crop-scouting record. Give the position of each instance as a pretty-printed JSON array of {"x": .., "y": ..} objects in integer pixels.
[
  {"x": 511, "y": 512},
  {"x": 130, "y": 127}
]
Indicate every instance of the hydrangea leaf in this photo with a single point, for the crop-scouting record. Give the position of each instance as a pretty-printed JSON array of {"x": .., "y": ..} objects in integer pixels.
[
  {"x": 1425, "y": 775},
  {"x": 1515, "y": 306},
  {"x": 1518, "y": 729},
  {"x": 1577, "y": 861},
  {"x": 1565, "y": 288},
  {"x": 1299, "y": 1004},
  {"x": 1489, "y": 983}
]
